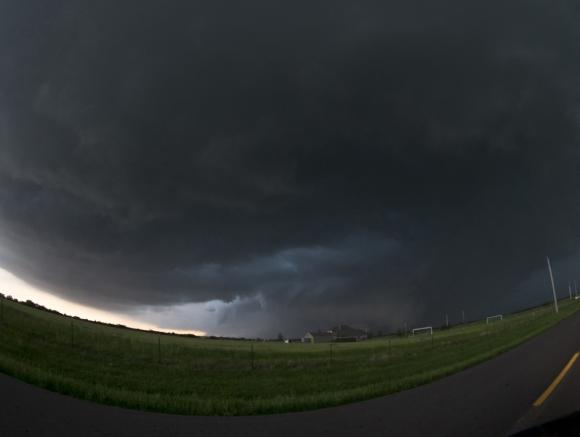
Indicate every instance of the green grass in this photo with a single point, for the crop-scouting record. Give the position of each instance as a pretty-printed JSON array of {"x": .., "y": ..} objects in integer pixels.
[{"x": 223, "y": 377}]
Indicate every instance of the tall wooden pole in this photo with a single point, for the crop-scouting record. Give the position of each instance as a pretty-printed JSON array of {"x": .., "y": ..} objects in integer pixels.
[{"x": 553, "y": 286}]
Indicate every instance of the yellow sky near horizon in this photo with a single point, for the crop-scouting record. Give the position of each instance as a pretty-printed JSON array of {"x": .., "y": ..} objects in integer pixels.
[{"x": 11, "y": 285}]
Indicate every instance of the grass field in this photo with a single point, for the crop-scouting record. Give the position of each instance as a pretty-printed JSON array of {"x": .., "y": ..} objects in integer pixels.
[{"x": 227, "y": 377}]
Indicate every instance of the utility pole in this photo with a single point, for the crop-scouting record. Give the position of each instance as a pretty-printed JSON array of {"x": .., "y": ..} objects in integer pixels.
[{"x": 553, "y": 286}]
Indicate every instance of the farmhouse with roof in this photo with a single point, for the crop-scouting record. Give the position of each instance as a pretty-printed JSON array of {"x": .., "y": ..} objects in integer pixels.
[
  {"x": 318, "y": 337},
  {"x": 341, "y": 333}
]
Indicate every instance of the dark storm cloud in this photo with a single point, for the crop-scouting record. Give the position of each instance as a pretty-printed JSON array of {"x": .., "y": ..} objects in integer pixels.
[{"x": 316, "y": 161}]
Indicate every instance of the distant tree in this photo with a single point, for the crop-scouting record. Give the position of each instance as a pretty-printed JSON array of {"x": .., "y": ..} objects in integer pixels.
[{"x": 280, "y": 337}]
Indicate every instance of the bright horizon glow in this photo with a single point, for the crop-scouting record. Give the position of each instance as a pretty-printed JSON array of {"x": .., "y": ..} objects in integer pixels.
[{"x": 11, "y": 285}]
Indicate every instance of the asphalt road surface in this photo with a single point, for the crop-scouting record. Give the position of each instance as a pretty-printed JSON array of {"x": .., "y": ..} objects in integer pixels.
[{"x": 495, "y": 398}]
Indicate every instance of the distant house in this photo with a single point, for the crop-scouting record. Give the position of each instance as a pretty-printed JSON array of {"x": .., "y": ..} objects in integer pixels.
[
  {"x": 318, "y": 337},
  {"x": 347, "y": 333},
  {"x": 341, "y": 333}
]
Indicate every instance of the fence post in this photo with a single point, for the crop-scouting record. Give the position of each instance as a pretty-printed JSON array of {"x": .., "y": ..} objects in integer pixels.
[
  {"x": 159, "y": 349},
  {"x": 252, "y": 355}
]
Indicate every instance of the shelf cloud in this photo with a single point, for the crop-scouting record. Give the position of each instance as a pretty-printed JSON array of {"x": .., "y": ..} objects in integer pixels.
[{"x": 298, "y": 165}]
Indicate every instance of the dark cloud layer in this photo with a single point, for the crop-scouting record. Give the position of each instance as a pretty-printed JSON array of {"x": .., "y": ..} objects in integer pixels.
[{"x": 317, "y": 161}]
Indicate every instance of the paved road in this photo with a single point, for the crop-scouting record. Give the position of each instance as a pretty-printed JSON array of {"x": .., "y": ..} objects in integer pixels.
[{"x": 492, "y": 399}]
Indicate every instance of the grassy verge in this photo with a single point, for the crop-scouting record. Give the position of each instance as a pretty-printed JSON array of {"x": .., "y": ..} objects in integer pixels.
[{"x": 219, "y": 377}]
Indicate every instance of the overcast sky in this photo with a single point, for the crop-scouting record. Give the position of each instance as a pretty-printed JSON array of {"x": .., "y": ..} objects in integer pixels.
[{"x": 246, "y": 168}]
